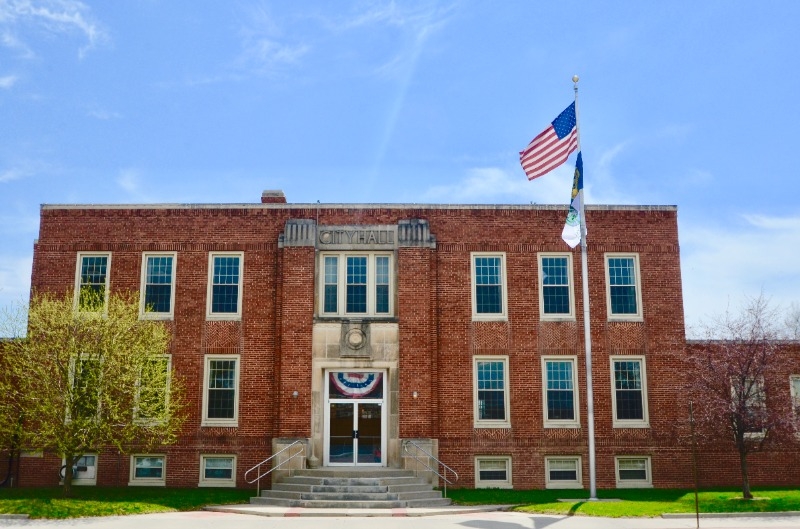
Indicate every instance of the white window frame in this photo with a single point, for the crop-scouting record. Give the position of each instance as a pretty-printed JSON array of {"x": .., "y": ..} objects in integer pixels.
[
  {"x": 644, "y": 422},
  {"x": 77, "y": 295},
  {"x": 633, "y": 483},
  {"x": 341, "y": 285},
  {"x": 133, "y": 481},
  {"x": 87, "y": 478},
  {"x": 491, "y": 483},
  {"x": 491, "y": 423},
  {"x": 143, "y": 313},
  {"x": 577, "y": 483},
  {"x": 146, "y": 420},
  {"x": 223, "y": 316},
  {"x": 503, "y": 314},
  {"x": 638, "y": 316},
  {"x": 217, "y": 482},
  {"x": 562, "y": 423},
  {"x": 570, "y": 287},
  {"x": 234, "y": 421}
]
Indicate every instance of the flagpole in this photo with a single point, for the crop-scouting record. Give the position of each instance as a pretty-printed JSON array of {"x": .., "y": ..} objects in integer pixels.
[{"x": 587, "y": 328}]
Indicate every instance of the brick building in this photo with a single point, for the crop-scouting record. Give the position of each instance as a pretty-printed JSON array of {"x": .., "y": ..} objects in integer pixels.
[{"x": 356, "y": 328}]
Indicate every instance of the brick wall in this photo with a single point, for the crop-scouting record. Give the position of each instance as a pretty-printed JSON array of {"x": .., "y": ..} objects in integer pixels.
[{"x": 438, "y": 338}]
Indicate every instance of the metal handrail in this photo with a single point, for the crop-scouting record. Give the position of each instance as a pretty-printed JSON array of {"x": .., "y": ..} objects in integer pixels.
[
  {"x": 445, "y": 468},
  {"x": 258, "y": 466}
]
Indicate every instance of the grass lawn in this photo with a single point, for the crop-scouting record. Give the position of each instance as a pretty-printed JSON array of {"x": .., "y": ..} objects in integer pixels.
[
  {"x": 635, "y": 502},
  {"x": 106, "y": 501}
]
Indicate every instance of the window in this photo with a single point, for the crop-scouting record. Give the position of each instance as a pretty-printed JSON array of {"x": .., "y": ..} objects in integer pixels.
[
  {"x": 753, "y": 405},
  {"x": 491, "y": 392},
  {"x": 623, "y": 294},
  {"x": 221, "y": 387},
  {"x": 153, "y": 390},
  {"x": 84, "y": 471},
  {"x": 84, "y": 402},
  {"x": 91, "y": 282},
  {"x": 629, "y": 393},
  {"x": 158, "y": 285},
  {"x": 794, "y": 387},
  {"x": 488, "y": 286},
  {"x": 556, "y": 297},
  {"x": 148, "y": 470},
  {"x": 356, "y": 284},
  {"x": 217, "y": 471},
  {"x": 633, "y": 471},
  {"x": 493, "y": 472},
  {"x": 225, "y": 286},
  {"x": 563, "y": 472},
  {"x": 560, "y": 392}
]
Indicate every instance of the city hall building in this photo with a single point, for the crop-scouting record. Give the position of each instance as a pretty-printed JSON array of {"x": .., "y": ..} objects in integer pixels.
[{"x": 359, "y": 328}]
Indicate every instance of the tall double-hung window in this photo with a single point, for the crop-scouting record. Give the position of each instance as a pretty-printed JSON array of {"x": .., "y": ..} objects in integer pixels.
[
  {"x": 489, "y": 286},
  {"x": 629, "y": 394},
  {"x": 556, "y": 298},
  {"x": 356, "y": 284},
  {"x": 158, "y": 285},
  {"x": 491, "y": 395},
  {"x": 91, "y": 281},
  {"x": 560, "y": 392},
  {"x": 623, "y": 287},
  {"x": 225, "y": 285}
]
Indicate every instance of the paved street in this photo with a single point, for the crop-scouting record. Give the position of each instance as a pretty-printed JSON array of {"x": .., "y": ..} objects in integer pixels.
[{"x": 482, "y": 520}]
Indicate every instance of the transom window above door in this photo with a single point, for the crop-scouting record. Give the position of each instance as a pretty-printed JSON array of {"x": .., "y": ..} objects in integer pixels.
[{"x": 356, "y": 284}]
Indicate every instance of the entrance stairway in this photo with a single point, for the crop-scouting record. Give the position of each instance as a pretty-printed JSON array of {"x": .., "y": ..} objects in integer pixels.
[{"x": 352, "y": 488}]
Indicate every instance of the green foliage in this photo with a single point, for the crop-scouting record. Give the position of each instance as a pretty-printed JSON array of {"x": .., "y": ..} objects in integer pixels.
[
  {"x": 85, "y": 380},
  {"x": 633, "y": 502},
  {"x": 105, "y": 501}
]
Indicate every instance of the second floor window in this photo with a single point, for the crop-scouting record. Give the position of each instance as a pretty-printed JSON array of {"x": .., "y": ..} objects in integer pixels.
[
  {"x": 158, "y": 284},
  {"x": 92, "y": 282},
  {"x": 356, "y": 284},
  {"x": 225, "y": 286}
]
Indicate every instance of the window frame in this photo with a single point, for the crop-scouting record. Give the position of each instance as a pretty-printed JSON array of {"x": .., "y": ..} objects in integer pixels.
[
  {"x": 73, "y": 366},
  {"x": 508, "y": 483},
  {"x": 223, "y": 316},
  {"x": 498, "y": 316},
  {"x": 82, "y": 480},
  {"x": 143, "y": 312},
  {"x": 646, "y": 483},
  {"x": 577, "y": 483},
  {"x": 561, "y": 423},
  {"x": 639, "y": 315},
  {"x": 794, "y": 395},
  {"x": 223, "y": 422},
  {"x": 217, "y": 482},
  {"x": 491, "y": 423},
  {"x": 644, "y": 422},
  {"x": 341, "y": 284},
  {"x": 570, "y": 287},
  {"x": 133, "y": 481},
  {"x": 77, "y": 294},
  {"x": 146, "y": 420},
  {"x": 762, "y": 404}
]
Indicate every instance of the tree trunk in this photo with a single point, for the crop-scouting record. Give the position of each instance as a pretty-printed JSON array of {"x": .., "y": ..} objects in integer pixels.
[
  {"x": 745, "y": 478},
  {"x": 70, "y": 462}
]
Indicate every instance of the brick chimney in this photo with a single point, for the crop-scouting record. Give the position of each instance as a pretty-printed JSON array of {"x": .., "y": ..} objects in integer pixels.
[{"x": 273, "y": 196}]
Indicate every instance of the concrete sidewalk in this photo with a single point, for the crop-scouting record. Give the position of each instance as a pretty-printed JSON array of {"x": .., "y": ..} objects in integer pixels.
[{"x": 265, "y": 510}]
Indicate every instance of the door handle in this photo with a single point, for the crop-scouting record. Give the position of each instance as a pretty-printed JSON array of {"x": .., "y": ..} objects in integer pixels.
[{"x": 355, "y": 434}]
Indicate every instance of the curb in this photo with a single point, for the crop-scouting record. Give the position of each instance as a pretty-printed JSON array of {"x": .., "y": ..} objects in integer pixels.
[
  {"x": 14, "y": 516},
  {"x": 777, "y": 514},
  {"x": 399, "y": 512}
]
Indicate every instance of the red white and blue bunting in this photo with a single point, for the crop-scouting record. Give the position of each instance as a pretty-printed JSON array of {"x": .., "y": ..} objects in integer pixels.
[{"x": 356, "y": 385}]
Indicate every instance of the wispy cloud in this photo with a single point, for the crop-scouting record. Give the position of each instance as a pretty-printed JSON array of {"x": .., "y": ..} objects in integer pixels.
[
  {"x": 128, "y": 180},
  {"x": 8, "y": 81},
  {"x": 720, "y": 265},
  {"x": 104, "y": 115},
  {"x": 264, "y": 46},
  {"x": 58, "y": 17}
]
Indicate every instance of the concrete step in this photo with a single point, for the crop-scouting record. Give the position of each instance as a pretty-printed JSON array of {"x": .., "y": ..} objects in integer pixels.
[
  {"x": 332, "y": 488},
  {"x": 328, "y": 504}
]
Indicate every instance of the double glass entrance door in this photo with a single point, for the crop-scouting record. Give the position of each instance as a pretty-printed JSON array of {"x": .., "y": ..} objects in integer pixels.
[{"x": 355, "y": 418}]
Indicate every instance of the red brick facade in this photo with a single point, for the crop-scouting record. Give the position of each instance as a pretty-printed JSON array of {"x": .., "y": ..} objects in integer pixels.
[{"x": 429, "y": 366}]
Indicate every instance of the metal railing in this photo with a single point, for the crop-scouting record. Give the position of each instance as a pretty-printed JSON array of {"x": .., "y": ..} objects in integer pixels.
[
  {"x": 257, "y": 467},
  {"x": 445, "y": 468}
]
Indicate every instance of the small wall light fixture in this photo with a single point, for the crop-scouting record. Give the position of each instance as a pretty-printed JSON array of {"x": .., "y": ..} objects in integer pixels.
[
  {"x": 295, "y": 394},
  {"x": 415, "y": 394}
]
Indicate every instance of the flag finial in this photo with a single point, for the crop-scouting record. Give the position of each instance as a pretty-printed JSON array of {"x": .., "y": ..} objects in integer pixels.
[{"x": 575, "y": 79}]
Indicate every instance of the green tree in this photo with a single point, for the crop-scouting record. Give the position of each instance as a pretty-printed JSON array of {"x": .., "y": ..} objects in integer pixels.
[{"x": 92, "y": 376}]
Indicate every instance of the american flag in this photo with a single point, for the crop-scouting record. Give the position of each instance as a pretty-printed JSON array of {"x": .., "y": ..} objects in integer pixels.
[{"x": 552, "y": 147}]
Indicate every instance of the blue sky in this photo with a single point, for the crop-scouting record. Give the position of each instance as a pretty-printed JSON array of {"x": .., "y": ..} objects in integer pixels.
[{"x": 687, "y": 103}]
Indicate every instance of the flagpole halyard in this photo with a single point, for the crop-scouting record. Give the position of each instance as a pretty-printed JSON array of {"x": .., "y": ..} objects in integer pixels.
[{"x": 587, "y": 328}]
